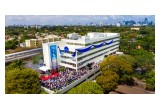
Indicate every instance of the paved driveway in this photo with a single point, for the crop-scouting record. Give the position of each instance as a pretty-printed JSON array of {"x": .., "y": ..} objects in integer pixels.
[{"x": 123, "y": 89}]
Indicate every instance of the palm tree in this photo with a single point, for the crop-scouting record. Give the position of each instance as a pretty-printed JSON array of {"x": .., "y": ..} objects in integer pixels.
[{"x": 19, "y": 64}]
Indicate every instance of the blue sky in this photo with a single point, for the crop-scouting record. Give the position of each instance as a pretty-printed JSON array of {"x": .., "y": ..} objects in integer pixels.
[{"x": 70, "y": 19}]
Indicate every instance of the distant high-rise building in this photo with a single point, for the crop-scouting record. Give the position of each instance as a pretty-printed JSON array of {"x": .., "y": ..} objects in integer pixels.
[
  {"x": 129, "y": 23},
  {"x": 150, "y": 23},
  {"x": 101, "y": 23},
  {"x": 145, "y": 21}
]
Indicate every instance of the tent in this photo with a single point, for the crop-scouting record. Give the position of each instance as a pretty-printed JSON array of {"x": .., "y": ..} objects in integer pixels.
[{"x": 44, "y": 68}]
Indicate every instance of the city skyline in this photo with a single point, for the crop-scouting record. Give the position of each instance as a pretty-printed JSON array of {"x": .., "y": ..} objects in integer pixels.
[{"x": 72, "y": 19}]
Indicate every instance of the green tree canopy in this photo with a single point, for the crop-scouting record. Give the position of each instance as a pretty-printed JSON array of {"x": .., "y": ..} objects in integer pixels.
[
  {"x": 108, "y": 80},
  {"x": 118, "y": 63},
  {"x": 36, "y": 59},
  {"x": 19, "y": 64},
  {"x": 129, "y": 58},
  {"x": 24, "y": 81},
  {"x": 150, "y": 80},
  {"x": 86, "y": 88},
  {"x": 10, "y": 45},
  {"x": 143, "y": 58},
  {"x": 127, "y": 79}
]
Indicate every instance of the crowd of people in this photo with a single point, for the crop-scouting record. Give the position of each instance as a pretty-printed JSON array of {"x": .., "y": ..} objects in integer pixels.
[{"x": 66, "y": 77}]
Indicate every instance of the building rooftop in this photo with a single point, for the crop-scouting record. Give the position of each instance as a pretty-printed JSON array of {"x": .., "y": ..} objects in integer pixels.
[
  {"x": 75, "y": 41},
  {"x": 90, "y": 37}
]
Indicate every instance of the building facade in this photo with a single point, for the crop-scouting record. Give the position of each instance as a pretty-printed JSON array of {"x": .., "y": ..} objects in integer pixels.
[
  {"x": 79, "y": 51},
  {"x": 39, "y": 40}
]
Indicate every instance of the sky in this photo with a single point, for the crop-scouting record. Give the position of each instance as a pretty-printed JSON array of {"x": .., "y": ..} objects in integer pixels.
[{"x": 71, "y": 19}]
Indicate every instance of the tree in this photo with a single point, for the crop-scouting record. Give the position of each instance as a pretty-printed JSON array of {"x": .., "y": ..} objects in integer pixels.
[
  {"x": 36, "y": 59},
  {"x": 123, "y": 47},
  {"x": 118, "y": 63},
  {"x": 129, "y": 58},
  {"x": 86, "y": 88},
  {"x": 108, "y": 80},
  {"x": 128, "y": 80},
  {"x": 10, "y": 45},
  {"x": 150, "y": 80},
  {"x": 19, "y": 64},
  {"x": 143, "y": 58},
  {"x": 24, "y": 81},
  {"x": 23, "y": 38},
  {"x": 147, "y": 41}
]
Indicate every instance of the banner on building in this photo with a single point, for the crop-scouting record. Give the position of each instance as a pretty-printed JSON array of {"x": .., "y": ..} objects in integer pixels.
[{"x": 53, "y": 55}]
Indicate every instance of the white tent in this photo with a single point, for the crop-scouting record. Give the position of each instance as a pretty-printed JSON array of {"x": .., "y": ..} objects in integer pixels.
[{"x": 44, "y": 68}]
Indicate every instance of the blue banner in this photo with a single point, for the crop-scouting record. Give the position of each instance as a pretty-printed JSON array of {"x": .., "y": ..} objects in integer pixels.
[
  {"x": 109, "y": 42},
  {"x": 74, "y": 54},
  {"x": 99, "y": 45},
  {"x": 85, "y": 49},
  {"x": 53, "y": 55},
  {"x": 66, "y": 49}
]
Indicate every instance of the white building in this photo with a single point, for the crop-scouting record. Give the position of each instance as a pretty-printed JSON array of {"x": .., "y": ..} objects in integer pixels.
[
  {"x": 118, "y": 25},
  {"x": 135, "y": 28},
  {"x": 23, "y": 44},
  {"x": 78, "y": 51}
]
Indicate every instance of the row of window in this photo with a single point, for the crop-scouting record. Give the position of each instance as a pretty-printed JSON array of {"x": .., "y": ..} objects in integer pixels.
[
  {"x": 74, "y": 65},
  {"x": 79, "y": 53},
  {"x": 79, "y": 64},
  {"x": 42, "y": 42},
  {"x": 80, "y": 58},
  {"x": 113, "y": 49},
  {"x": 67, "y": 52},
  {"x": 65, "y": 56},
  {"x": 75, "y": 44}
]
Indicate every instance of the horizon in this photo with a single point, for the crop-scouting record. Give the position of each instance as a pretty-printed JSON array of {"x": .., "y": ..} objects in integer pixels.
[{"x": 72, "y": 19}]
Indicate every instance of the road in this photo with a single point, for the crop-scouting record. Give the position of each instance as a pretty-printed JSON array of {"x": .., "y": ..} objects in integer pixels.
[
  {"x": 22, "y": 54},
  {"x": 7, "y": 60}
]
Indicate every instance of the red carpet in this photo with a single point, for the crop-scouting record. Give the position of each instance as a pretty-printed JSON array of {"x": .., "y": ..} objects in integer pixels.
[{"x": 52, "y": 74}]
